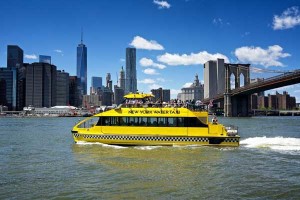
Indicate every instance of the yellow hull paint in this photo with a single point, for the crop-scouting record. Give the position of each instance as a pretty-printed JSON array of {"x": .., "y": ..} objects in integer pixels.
[{"x": 140, "y": 134}]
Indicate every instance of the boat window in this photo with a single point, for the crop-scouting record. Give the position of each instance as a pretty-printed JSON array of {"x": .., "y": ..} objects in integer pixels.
[
  {"x": 179, "y": 121},
  {"x": 123, "y": 121},
  {"x": 172, "y": 122},
  {"x": 133, "y": 121},
  {"x": 113, "y": 121},
  {"x": 89, "y": 123},
  {"x": 153, "y": 121},
  {"x": 203, "y": 120},
  {"x": 143, "y": 121},
  {"x": 194, "y": 122},
  {"x": 105, "y": 121},
  {"x": 161, "y": 121}
]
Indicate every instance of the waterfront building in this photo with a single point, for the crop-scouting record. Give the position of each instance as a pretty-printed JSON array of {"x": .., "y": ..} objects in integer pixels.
[
  {"x": 262, "y": 102},
  {"x": 8, "y": 88},
  {"x": 82, "y": 67},
  {"x": 107, "y": 97},
  {"x": 118, "y": 95},
  {"x": 45, "y": 59},
  {"x": 14, "y": 56},
  {"x": 91, "y": 101},
  {"x": 131, "y": 79},
  {"x": 21, "y": 88},
  {"x": 74, "y": 92},
  {"x": 214, "y": 78},
  {"x": 62, "y": 88},
  {"x": 161, "y": 95},
  {"x": 40, "y": 87},
  {"x": 275, "y": 102},
  {"x": 122, "y": 79},
  {"x": 194, "y": 92},
  {"x": 96, "y": 84}
]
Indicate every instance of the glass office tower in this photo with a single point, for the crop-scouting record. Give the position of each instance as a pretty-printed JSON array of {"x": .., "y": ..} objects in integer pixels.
[
  {"x": 14, "y": 56},
  {"x": 131, "y": 82},
  {"x": 82, "y": 67}
]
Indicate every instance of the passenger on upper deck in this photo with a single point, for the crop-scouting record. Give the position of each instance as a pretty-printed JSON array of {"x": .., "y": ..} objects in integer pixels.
[{"x": 214, "y": 120}]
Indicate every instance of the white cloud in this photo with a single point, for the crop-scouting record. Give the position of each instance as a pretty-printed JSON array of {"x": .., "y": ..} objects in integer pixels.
[
  {"x": 257, "y": 55},
  {"x": 187, "y": 85},
  {"x": 174, "y": 91},
  {"x": 161, "y": 80},
  {"x": 145, "y": 62},
  {"x": 141, "y": 43},
  {"x": 150, "y": 71},
  {"x": 162, "y": 4},
  {"x": 220, "y": 22},
  {"x": 32, "y": 56},
  {"x": 245, "y": 34},
  {"x": 192, "y": 59},
  {"x": 256, "y": 70},
  {"x": 154, "y": 86},
  {"x": 147, "y": 81},
  {"x": 122, "y": 60},
  {"x": 59, "y": 51},
  {"x": 288, "y": 19}
]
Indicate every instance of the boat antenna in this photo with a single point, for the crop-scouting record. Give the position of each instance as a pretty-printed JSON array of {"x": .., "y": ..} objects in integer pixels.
[{"x": 81, "y": 35}]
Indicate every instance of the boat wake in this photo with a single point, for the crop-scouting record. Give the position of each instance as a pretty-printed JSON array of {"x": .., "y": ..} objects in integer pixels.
[
  {"x": 101, "y": 144},
  {"x": 274, "y": 143}
]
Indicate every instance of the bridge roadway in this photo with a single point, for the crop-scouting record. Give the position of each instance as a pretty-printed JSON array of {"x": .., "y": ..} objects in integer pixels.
[{"x": 285, "y": 79}]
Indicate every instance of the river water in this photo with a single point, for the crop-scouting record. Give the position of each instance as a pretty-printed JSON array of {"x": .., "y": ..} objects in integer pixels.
[{"x": 39, "y": 160}]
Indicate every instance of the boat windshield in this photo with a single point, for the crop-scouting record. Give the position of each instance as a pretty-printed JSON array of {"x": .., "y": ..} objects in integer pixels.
[{"x": 88, "y": 123}]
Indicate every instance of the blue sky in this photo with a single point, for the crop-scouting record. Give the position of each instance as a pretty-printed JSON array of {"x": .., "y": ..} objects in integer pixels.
[{"x": 173, "y": 38}]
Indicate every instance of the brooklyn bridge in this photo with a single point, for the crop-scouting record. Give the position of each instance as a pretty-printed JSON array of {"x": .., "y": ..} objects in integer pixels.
[{"x": 236, "y": 102}]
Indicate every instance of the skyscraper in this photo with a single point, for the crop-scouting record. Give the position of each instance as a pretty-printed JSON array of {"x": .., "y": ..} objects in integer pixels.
[
  {"x": 8, "y": 80},
  {"x": 108, "y": 81},
  {"x": 40, "y": 84},
  {"x": 14, "y": 56},
  {"x": 214, "y": 78},
  {"x": 96, "y": 84},
  {"x": 45, "y": 59},
  {"x": 82, "y": 67},
  {"x": 131, "y": 82},
  {"x": 74, "y": 97},
  {"x": 62, "y": 88},
  {"x": 122, "y": 79}
]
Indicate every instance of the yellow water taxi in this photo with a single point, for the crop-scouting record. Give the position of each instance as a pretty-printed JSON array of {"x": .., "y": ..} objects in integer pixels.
[{"x": 138, "y": 121}]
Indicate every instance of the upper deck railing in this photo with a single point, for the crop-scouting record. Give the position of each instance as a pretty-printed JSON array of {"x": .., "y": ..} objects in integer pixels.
[{"x": 189, "y": 105}]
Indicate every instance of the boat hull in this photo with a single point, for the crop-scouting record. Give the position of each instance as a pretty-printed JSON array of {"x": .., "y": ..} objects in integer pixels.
[{"x": 153, "y": 140}]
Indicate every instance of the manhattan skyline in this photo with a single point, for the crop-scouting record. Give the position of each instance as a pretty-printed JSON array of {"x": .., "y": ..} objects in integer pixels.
[{"x": 173, "y": 38}]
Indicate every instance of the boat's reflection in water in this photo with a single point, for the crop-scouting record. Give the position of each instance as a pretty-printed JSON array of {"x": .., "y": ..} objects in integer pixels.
[{"x": 163, "y": 168}]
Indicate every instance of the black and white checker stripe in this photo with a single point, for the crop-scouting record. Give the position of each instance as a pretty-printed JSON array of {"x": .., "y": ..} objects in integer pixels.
[
  {"x": 144, "y": 138},
  {"x": 231, "y": 140},
  {"x": 152, "y": 138}
]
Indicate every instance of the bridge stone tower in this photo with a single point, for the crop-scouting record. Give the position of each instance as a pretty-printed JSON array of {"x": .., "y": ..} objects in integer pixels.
[{"x": 236, "y": 105}]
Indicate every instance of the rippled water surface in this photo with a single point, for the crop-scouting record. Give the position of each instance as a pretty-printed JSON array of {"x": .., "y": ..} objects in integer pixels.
[{"x": 39, "y": 160}]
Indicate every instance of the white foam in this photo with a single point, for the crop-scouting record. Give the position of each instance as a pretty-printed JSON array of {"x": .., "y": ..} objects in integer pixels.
[
  {"x": 147, "y": 147},
  {"x": 101, "y": 144},
  {"x": 275, "y": 143}
]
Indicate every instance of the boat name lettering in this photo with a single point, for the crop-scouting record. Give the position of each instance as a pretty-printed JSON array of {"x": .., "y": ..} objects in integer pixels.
[{"x": 153, "y": 112}]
